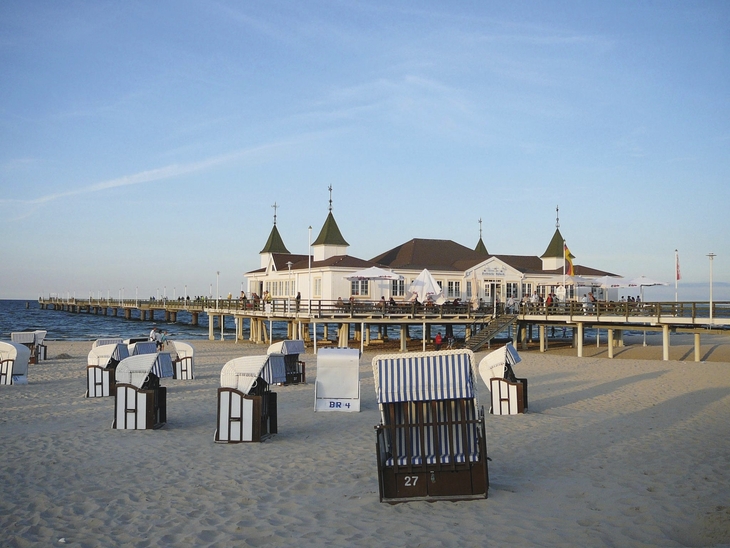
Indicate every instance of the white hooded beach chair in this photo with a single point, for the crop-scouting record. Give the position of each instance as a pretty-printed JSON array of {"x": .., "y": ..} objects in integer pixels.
[
  {"x": 142, "y": 347},
  {"x": 106, "y": 341},
  {"x": 246, "y": 404},
  {"x": 288, "y": 352},
  {"x": 337, "y": 387},
  {"x": 431, "y": 442},
  {"x": 33, "y": 340},
  {"x": 14, "y": 358},
  {"x": 101, "y": 367},
  {"x": 508, "y": 393},
  {"x": 140, "y": 402},
  {"x": 183, "y": 360}
]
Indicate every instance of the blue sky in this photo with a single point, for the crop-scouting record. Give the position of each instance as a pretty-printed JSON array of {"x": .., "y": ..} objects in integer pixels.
[{"x": 142, "y": 144}]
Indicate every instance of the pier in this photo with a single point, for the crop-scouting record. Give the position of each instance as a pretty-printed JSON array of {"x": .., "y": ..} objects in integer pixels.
[{"x": 369, "y": 323}]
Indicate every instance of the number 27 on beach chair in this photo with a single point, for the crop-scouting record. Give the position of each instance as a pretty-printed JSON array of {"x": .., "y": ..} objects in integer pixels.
[{"x": 431, "y": 442}]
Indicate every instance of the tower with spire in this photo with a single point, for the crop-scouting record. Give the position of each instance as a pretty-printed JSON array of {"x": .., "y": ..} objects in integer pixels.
[
  {"x": 553, "y": 258},
  {"x": 273, "y": 245},
  {"x": 330, "y": 242},
  {"x": 481, "y": 248}
]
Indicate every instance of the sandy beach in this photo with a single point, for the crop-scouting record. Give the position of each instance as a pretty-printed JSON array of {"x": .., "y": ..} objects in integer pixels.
[{"x": 633, "y": 451}]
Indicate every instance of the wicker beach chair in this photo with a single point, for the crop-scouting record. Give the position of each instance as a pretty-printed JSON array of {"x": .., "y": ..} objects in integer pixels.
[
  {"x": 246, "y": 405},
  {"x": 288, "y": 352},
  {"x": 14, "y": 359},
  {"x": 183, "y": 360},
  {"x": 140, "y": 402},
  {"x": 101, "y": 367},
  {"x": 431, "y": 442},
  {"x": 33, "y": 340},
  {"x": 508, "y": 393},
  {"x": 142, "y": 347},
  {"x": 337, "y": 387}
]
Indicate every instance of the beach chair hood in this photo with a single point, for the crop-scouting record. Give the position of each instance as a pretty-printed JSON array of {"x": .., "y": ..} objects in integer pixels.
[
  {"x": 241, "y": 373},
  {"x": 102, "y": 355},
  {"x": 17, "y": 352},
  {"x": 287, "y": 347},
  {"x": 498, "y": 362},
  {"x": 134, "y": 370},
  {"x": 422, "y": 376}
]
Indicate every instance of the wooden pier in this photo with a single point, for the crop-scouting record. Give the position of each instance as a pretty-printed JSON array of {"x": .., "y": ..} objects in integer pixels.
[{"x": 357, "y": 321}]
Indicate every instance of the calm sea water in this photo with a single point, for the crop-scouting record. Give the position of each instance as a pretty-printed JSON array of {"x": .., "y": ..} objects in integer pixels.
[{"x": 67, "y": 326}]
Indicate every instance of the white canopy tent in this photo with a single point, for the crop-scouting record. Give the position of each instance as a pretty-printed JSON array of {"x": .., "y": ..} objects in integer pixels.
[
  {"x": 425, "y": 287},
  {"x": 377, "y": 274}
]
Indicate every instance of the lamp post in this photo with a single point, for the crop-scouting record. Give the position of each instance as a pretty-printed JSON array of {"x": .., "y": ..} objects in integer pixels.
[
  {"x": 711, "y": 256},
  {"x": 309, "y": 257},
  {"x": 288, "y": 265},
  {"x": 217, "y": 290}
]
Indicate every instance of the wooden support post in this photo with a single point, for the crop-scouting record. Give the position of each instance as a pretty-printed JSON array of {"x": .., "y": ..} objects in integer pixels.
[
  {"x": 173, "y": 316},
  {"x": 543, "y": 342},
  {"x": 698, "y": 357},
  {"x": 221, "y": 320},
  {"x": 665, "y": 342},
  {"x": 610, "y": 343},
  {"x": 127, "y": 313},
  {"x": 211, "y": 335},
  {"x": 523, "y": 337},
  {"x": 194, "y": 318},
  {"x": 403, "y": 338},
  {"x": 580, "y": 339}
]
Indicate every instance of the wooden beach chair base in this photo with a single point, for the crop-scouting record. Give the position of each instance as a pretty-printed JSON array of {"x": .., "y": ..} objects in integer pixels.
[
  {"x": 245, "y": 418},
  {"x": 508, "y": 398},
  {"x": 183, "y": 369},
  {"x": 136, "y": 409},
  {"x": 99, "y": 382}
]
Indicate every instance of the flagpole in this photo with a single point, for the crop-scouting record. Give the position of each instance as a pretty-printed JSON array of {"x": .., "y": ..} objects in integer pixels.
[{"x": 676, "y": 276}]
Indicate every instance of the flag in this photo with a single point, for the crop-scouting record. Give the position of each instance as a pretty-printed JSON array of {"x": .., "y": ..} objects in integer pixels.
[
  {"x": 568, "y": 257},
  {"x": 678, "y": 274}
]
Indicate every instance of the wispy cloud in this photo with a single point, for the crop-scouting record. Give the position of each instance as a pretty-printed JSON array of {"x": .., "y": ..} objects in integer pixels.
[{"x": 152, "y": 175}]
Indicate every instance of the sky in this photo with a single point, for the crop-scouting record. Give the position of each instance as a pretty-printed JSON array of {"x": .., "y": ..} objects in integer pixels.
[{"x": 143, "y": 144}]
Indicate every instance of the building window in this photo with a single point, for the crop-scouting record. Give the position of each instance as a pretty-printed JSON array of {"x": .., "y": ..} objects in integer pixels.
[
  {"x": 398, "y": 288},
  {"x": 468, "y": 289},
  {"x": 527, "y": 290},
  {"x": 512, "y": 290},
  {"x": 360, "y": 288},
  {"x": 318, "y": 287},
  {"x": 453, "y": 289}
]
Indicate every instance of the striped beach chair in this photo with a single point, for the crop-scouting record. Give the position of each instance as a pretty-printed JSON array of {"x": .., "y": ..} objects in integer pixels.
[
  {"x": 431, "y": 442},
  {"x": 33, "y": 340},
  {"x": 140, "y": 402},
  {"x": 246, "y": 405},
  {"x": 508, "y": 393},
  {"x": 14, "y": 358},
  {"x": 288, "y": 352},
  {"x": 101, "y": 366}
]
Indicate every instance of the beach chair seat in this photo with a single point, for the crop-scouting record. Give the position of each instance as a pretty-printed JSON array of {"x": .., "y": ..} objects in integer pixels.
[
  {"x": 14, "y": 359},
  {"x": 288, "y": 352},
  {"x": 101, "y": 367},
  {"x": 431, "y": 441},
  {"x": 337, "y": 386},
  {"x": 247, "y": 408},
  {"x": 183, "y": 361},
  {"x": 140, "y": 402},
  {"x": 508, "y": 392}
]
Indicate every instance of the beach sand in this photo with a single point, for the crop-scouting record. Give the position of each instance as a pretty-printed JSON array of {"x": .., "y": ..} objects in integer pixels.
[{"x": 633, "y": 451}]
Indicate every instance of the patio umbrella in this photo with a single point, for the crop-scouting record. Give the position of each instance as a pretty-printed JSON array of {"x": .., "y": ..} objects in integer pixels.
[
  {"x": 425, "y": 286},
  {"x": 374, "y": 273},
  {"x": 642, "y": 281},
  {"x": 611, "y": 282}
]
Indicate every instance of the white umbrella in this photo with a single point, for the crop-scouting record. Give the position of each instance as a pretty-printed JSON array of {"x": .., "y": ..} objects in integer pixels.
[
  {"x": 425, "y": 286},
  {"x": 643, "y": 281},
  {"x": 374, "y": 273},
  {"x": 611, "y": 282}
]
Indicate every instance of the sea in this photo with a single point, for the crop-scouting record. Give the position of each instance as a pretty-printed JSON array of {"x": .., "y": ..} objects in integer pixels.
[{"x": 18, "y": 315}]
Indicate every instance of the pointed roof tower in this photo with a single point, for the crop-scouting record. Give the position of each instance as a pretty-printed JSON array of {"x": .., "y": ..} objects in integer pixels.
[
  {"x": 481, "y": 248},
  {"x": 330, "y": 242},
  {"x": 553, "y": 258},
  {"x": 274, "y": 244}
]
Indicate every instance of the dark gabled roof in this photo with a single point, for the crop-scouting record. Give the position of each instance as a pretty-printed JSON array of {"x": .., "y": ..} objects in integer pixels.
[
  {"x": 418, "y": 254},
  {"x": 301, "y": 262},
  {"x": 555, "y": 247},
  {"x": 481, "y": 248},
  {"x": 330, "y": 233},
  {"x": 274, "y": 244}
]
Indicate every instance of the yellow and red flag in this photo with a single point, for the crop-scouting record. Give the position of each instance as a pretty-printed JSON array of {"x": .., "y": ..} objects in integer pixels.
[{"x": 568, "y": 257}]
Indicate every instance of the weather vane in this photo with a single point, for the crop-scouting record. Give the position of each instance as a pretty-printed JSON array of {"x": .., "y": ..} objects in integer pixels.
[
  {"x": 557, "y": 216},
  {"x": 274, "y": 206},
  {"x": 330, "y": 189}
]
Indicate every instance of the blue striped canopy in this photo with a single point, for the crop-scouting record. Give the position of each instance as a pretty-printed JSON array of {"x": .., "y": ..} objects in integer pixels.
[{"x": 424, "y": 376}]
